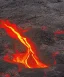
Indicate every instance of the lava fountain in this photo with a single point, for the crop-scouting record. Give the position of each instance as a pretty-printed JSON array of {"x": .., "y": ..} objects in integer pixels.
[{"x": 29, "y": 58}]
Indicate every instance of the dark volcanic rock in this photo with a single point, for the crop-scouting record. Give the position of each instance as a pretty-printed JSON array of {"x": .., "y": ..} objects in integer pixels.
[
  {"x": 32, "y": 73},
  {"x": 60, "y": 37},
  {"x": 39, "y": 36},
  {"x": 55, "y": 1},
  {"x": 60, "y": 59},
  {"x": 1, "y": 49},
  {"x": 4, "y": 66},
  {"x": 48, "y": 38},
  {"x": 39, "y": 12},
  {"x": 56, "y": 71}
]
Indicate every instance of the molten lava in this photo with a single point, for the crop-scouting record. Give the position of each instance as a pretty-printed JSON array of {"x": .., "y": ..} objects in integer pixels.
[
  {"x": 58, "y": 32},
  {"x": 29, "y": 58}
]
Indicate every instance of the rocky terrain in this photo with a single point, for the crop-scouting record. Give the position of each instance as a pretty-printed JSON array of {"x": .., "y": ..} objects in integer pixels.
[{"x": 43, "y": 17}]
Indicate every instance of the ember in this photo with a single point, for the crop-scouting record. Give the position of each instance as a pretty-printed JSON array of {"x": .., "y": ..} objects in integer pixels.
[
  {"x": 29, "y": 58},
  {"x": 58, "y": 32}
]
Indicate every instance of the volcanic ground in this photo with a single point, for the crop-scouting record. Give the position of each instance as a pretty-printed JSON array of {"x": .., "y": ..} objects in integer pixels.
[{"x": 43, "y": 21}]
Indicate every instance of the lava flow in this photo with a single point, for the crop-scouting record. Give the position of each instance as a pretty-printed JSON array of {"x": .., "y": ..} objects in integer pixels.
[
  {"x": 59, "y": 32},
  {"x": 29, "y": 58}
]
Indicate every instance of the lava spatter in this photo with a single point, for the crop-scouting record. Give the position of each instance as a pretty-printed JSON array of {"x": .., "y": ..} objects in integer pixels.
[
  {"x": 58, "y": 32},
  {"x": 29, "y": 58}
]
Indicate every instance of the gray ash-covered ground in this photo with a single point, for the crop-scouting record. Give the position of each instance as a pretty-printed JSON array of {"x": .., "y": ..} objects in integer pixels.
[{"x": 44, "y": 17}]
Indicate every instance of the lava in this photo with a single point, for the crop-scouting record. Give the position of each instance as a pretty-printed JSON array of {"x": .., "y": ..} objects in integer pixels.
[
  {"x": 54, "y": 56},
  {"x": 44, "y": 28},
  {"x": 7, "y": 75},
  {"x": 29, "y": 58},
  {"x": 58, "y": 32}
]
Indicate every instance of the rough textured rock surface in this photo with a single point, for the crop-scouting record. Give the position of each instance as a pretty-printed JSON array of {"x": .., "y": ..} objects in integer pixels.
[
  {"x": 43, "y": 17},
  {"x": 39, "y": 12}
]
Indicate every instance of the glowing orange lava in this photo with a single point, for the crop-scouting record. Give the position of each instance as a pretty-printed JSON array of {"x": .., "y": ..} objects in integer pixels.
[{"x": 29, "y": 58}]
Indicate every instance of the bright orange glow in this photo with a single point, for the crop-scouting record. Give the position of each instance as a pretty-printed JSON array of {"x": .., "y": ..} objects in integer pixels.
[{"x": 29, "y": 58}]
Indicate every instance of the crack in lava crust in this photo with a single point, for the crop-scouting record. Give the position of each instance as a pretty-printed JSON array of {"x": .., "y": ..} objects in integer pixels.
[{"x": 29, "y": 58}]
